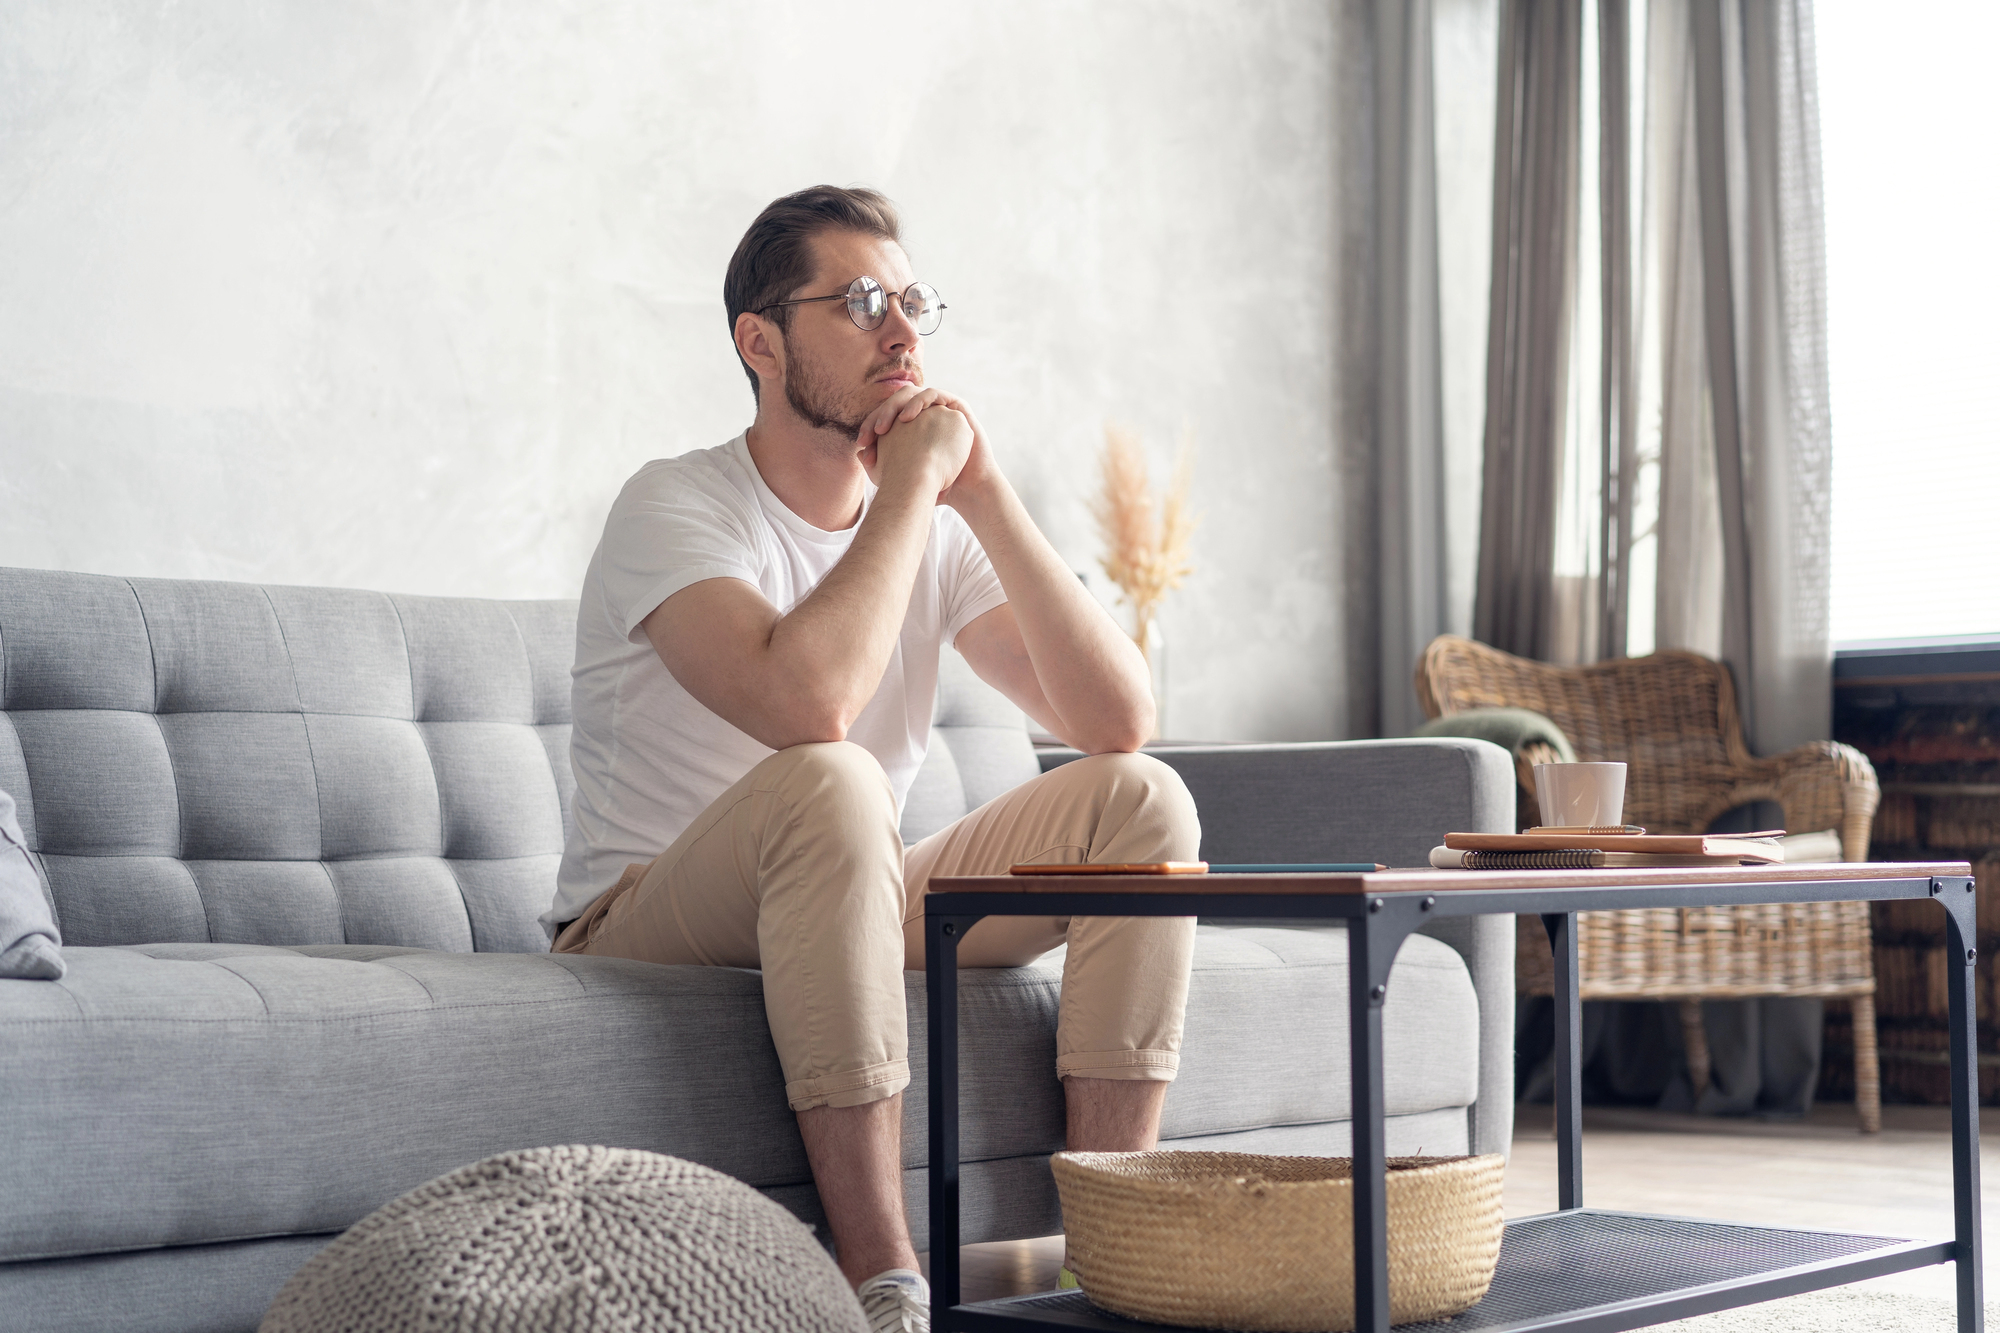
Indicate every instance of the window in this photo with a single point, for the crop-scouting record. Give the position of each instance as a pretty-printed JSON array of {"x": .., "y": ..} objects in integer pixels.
[{"x": 1909, "y": 123}]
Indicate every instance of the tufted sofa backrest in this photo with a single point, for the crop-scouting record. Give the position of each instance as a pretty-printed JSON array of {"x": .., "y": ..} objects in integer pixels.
[{"x": 246, "y": 764}]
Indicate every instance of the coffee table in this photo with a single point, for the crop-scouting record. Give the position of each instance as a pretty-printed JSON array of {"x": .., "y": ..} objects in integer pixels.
[{"x": 1585, "y": 1270}]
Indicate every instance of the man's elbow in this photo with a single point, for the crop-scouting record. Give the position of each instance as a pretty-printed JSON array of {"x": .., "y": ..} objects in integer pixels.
[
  {"x": 786, "y": 738},
  {"x": 808, "y": 719},
  {"x": 1119, "y": 736}
]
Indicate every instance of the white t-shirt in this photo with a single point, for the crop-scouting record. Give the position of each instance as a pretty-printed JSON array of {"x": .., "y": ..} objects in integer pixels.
[{"x": 647, "y": 757}]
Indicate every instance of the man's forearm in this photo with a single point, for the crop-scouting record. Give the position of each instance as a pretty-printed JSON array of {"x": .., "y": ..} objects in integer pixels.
[
  {"x": 1091, "y": 673},
  {"x": 832, "y": 648}
]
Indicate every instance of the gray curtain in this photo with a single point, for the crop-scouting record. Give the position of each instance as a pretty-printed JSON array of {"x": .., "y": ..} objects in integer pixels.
[
  {"x": 1531, "y": 307},
  {"x": 1414, "y": 518},
  {"x": 1686, "y": 532},
  {"x": 1410, "y": 517},
  {"x": 1617, "y": 387}
]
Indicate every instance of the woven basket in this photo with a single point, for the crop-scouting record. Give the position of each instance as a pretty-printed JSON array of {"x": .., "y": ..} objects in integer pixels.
[{"x": 1246, "y": 1241}]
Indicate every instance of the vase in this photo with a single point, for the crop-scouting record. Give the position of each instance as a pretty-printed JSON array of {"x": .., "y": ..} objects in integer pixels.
[{"x": 1152, "y": 641}]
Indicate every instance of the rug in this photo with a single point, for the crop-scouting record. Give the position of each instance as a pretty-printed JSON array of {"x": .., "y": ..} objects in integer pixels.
[{"x": 1834, "y": 1311}]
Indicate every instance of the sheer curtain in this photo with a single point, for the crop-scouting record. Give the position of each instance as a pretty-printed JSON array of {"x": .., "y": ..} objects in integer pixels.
[
  {"x": 1533, "y": 325},
  {"x": 1657, "y": 453},
  {"x": 1773, "y": 231},
  {"x": 1557, "y": 501}
]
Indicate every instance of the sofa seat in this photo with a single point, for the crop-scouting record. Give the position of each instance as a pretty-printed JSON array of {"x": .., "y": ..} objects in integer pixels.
[{"x": 230, "y": 1091}]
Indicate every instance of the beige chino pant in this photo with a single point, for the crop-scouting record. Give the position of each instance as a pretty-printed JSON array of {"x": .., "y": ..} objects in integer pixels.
[{"x": 798, "y": 870}]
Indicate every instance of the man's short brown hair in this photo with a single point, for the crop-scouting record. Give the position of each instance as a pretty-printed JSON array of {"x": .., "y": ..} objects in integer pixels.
[{"x": 774, "y": 258}]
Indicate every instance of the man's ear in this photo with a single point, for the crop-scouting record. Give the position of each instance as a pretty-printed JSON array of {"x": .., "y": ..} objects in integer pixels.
[{"x": 761, "y": 344}]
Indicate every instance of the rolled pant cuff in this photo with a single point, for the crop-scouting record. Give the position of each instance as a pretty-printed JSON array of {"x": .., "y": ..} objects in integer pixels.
[
  {"x": 856, "y": 1087},
  {"x": 1157, "y": 1066}
]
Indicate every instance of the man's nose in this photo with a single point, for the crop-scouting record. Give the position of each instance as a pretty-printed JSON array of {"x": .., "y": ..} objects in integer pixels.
[{"x": 898, "y": 330}]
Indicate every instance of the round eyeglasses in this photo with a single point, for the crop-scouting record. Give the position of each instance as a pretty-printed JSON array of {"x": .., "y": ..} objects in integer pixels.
[{"x": 868, "y": 304}]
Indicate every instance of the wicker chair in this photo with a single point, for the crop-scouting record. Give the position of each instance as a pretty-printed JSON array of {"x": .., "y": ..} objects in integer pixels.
[{"x": 1672, "y": 718}]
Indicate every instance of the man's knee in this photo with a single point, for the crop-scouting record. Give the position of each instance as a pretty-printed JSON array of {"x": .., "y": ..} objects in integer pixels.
[
  {"x": 828, "y": 770},
  {"x": 1145, "y": 794},
  {"x": 1154, "y": 781}
]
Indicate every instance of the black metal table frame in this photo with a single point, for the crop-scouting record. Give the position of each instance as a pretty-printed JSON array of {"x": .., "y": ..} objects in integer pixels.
[{"x": 1378, "y": 924}]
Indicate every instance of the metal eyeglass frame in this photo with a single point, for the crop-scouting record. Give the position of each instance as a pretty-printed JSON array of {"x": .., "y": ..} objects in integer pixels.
[{"x": 859, "y": 291}]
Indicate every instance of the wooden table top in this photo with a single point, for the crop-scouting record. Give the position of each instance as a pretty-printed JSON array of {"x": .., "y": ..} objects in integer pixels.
[{"x": 1426, "y": 880}]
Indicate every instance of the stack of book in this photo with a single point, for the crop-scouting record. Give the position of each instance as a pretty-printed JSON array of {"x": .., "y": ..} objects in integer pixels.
[{"x": 1603, "y": 848}]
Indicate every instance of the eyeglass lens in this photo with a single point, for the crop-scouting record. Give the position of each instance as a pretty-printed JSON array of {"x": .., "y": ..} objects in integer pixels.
[{"x": 868, "y": 305}]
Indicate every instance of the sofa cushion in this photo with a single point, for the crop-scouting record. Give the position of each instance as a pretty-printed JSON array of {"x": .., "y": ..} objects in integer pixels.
[
  {"x": 230, "y": 1091},
  {"x": 1266, "y": 1039}
]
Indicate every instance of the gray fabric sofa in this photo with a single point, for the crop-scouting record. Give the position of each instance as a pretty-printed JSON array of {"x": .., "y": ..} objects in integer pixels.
[{"x": 296, "y": 840}]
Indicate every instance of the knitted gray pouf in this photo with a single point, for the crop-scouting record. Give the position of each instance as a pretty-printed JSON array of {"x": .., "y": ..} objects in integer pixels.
[{"x": 571, "y": 1240}]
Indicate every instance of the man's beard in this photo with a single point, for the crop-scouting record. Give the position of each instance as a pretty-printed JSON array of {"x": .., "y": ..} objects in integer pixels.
[{"x": 819, "y": 404}]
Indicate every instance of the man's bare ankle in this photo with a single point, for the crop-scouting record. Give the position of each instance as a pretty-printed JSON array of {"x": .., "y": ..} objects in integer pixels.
[
  {"x": 878, "y": 1263},
  {"x": 856, "y": 1157},
  {"x": 1112, "y": 1115}
]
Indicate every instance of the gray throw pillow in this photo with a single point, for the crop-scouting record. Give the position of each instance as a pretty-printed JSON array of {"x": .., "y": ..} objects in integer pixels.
[{"x": 30, "y": 944}]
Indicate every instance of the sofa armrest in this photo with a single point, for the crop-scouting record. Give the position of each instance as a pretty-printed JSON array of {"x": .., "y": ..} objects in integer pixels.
[{"x": 1389, "y": 801}]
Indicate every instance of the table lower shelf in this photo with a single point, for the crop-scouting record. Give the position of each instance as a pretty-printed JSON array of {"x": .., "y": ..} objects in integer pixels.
[{"x": 1586, "y": 1271}]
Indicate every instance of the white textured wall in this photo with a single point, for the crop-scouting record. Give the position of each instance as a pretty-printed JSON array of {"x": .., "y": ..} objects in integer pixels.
[{"x": 396, "y": 296}]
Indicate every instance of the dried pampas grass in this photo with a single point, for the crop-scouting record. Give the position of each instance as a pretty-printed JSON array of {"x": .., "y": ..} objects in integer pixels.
[{"x": 1146, "y": 554}]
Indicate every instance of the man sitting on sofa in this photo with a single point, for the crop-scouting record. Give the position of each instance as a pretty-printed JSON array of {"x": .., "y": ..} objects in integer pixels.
[{"x": 757, "y": 659}]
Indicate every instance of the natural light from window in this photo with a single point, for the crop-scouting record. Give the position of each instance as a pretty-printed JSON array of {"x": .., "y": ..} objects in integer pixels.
[{"x": 1910, "y": 132}]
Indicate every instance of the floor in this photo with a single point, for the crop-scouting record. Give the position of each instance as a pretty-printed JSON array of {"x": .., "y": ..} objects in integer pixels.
[{"x": 1818, "y": 1173}]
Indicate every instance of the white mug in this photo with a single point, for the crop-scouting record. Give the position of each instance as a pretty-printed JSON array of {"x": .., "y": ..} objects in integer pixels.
[{"x": 1581, "y": 795}]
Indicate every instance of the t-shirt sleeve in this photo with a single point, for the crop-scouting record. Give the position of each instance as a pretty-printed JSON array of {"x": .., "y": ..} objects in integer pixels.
[
  {"x": 667, "y": 535},
  {"x": 969, "y": 588}
]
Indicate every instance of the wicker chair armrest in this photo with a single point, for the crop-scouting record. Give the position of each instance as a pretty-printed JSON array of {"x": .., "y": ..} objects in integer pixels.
[{"x": 1823, "y": 784}]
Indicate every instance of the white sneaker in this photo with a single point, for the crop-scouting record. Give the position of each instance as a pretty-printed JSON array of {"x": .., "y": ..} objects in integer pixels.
[{"x": 898, "y": 1301}]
